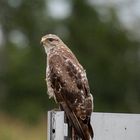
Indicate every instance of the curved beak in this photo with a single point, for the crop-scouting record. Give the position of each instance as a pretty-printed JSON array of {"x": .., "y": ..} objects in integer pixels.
[{"x": 42, "y": 40}]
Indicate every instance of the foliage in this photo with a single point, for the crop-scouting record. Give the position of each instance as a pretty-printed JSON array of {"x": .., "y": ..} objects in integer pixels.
[
  {"x": 13, "y": 129},
  {"x": 110, "y": 57}
]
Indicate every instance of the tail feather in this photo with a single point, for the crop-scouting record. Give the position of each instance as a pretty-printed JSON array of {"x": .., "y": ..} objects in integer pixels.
[
  {"x": 90, "y": 130},
  {"x": 82, "y": 129}
]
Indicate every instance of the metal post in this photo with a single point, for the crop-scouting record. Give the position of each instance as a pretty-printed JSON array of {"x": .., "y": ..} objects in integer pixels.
[
  {"x": 57, "y": 128},
  {"x": 106, "y": 126}
]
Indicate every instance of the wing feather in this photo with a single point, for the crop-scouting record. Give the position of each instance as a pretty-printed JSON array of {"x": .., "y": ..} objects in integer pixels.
[{"x": 71, "y": 90}]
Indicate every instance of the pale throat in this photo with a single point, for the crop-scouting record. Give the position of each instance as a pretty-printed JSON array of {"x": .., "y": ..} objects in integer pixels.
[{"x": 48, "y": 48}]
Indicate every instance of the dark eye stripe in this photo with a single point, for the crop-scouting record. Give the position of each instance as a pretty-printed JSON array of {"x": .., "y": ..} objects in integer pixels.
[{"x": 50, "y": 39}]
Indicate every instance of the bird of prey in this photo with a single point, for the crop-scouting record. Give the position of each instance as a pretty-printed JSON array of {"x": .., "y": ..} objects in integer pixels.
[{"x": 68, "y": 84}]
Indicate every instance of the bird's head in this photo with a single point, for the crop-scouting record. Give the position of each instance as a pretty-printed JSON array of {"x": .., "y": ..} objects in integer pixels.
[{"x": 50, "y": 41}]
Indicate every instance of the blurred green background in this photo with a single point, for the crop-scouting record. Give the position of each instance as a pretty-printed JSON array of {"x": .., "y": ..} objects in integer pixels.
[{"x": 102, "y": 36}]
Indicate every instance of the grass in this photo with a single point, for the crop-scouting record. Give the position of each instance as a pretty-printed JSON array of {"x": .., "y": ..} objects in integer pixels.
[{"x": 14, "y": 129}]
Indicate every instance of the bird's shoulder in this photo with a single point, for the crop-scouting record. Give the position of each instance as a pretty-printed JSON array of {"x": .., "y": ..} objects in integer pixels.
[
  {"x": 63, "y": 64},
  {"x": 63, "y": 53},
  {"x": 64, "y": 59}
]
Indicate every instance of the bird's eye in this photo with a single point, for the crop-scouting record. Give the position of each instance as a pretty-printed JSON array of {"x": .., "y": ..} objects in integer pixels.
[{"x": 50, "y": 39}]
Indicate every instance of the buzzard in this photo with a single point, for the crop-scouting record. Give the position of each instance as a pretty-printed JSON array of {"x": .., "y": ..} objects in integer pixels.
[{"x": 67, "y": 83}]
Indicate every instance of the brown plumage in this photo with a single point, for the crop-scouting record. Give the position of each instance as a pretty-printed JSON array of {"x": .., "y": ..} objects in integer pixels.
[{"x": 68, "y": 85}]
